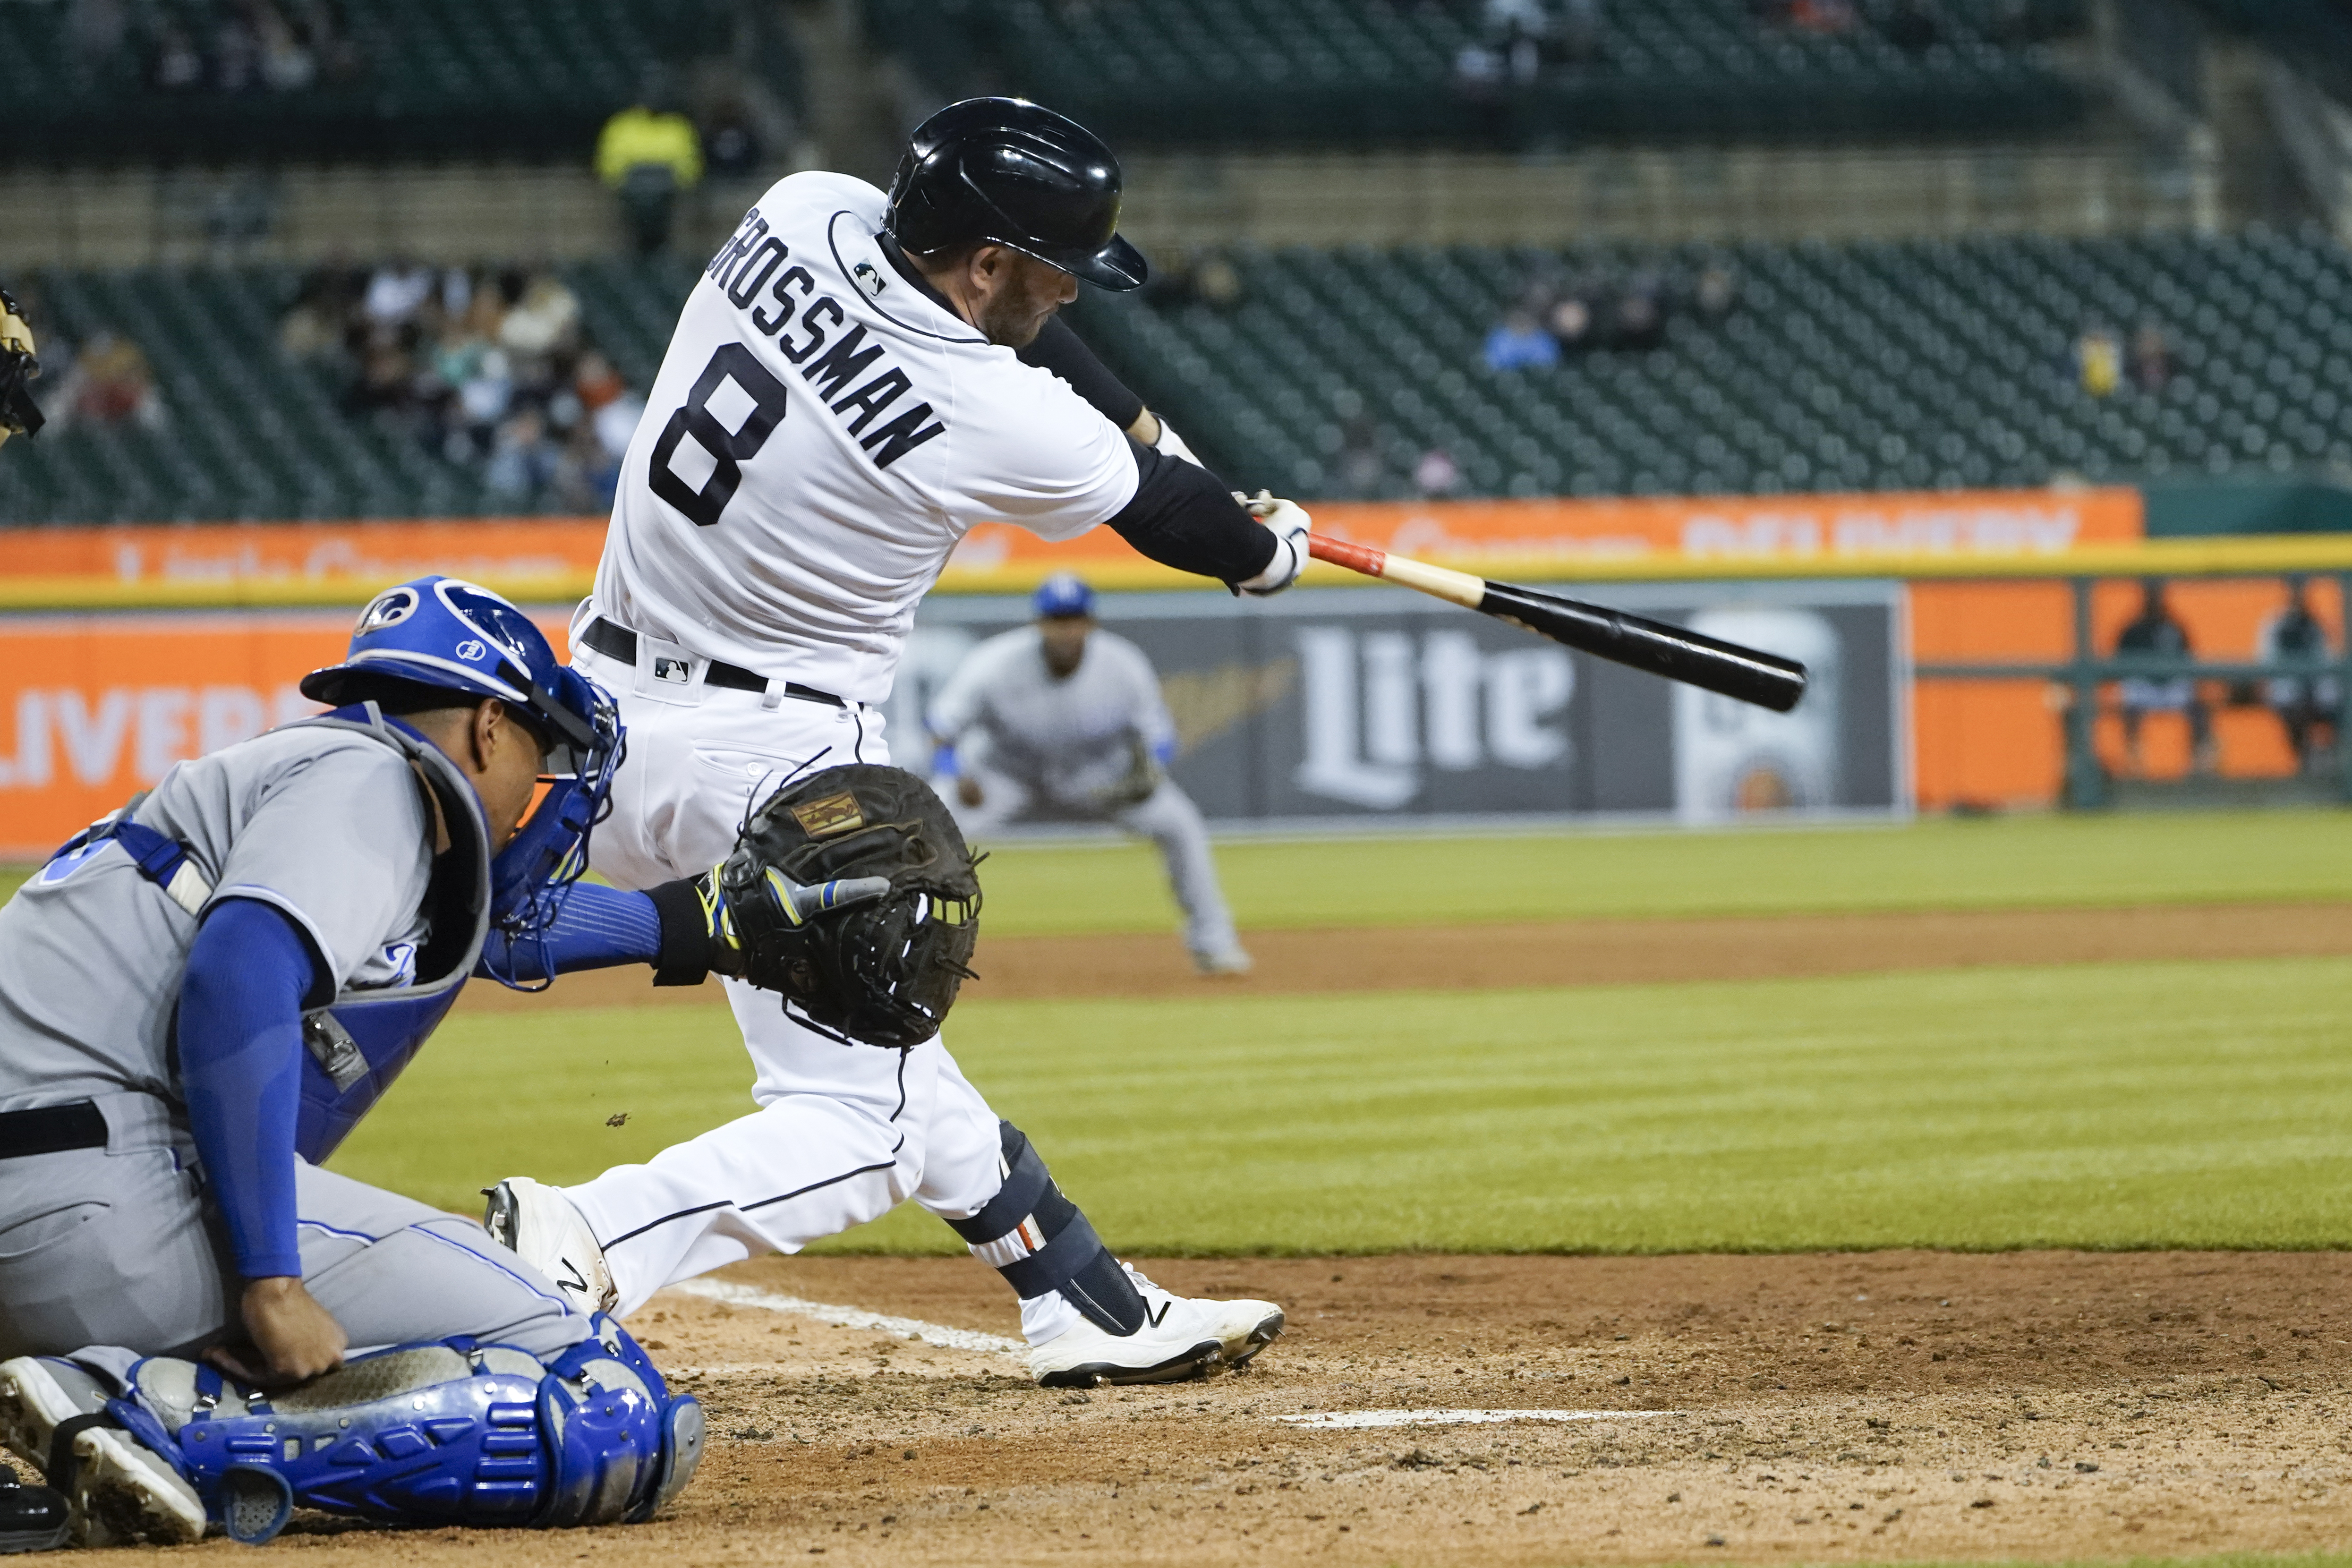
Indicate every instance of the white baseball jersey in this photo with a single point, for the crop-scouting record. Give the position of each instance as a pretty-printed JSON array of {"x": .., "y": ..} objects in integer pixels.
[
  {"x": 1068, "y": 738},
  {"x": 821, "y": 435}
]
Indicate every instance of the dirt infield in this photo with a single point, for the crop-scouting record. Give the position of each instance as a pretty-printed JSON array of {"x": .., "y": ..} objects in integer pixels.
[
  {"x": 1587, "y": 952},
  {"x": 1868, "y": 1407}
]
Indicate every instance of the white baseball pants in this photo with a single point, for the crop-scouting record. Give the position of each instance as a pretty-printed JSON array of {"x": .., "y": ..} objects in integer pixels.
[
  {"x": 844, "y": 1134},
  {"x": 1167, "y": 816}
]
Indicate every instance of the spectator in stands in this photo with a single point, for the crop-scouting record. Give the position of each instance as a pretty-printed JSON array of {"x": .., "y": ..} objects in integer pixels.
[
  {"x": 2158, "y": 634},
  {"x": 1638, "y": 321},
  {"x": 95, "y": 32},
  {"x": 1518, "y": 343},
  {"x": 1830, "y": 16},
  {"x": 1580, "y": 32},
  {"x": 1911, "y": 27},
  {"x": 107, "y": 384},
  {"x": 647, "y": 155},
  {"x": 2098, "y": 362},
  {"x": 318, "y": 327},
  {"x": 1571, "y": 323},
  {"x": 396, "y": 291},
  {"x": 287, "y": 63},
  {"x": 1715, "y": 293},
  {"x": 2151, "y": 358},
  {"x": 386, "y": 385},
  {"x": 730, "y": 142},
  {"x": 2305, "y": 703},
  {"x": 1362, "y": 470},
  {"x": 1437, "y": 474},
  {"x": 544, "y": 320},
  {"x": 177, "y": 66},
  {"x": 236, "y": 53},
  {"x": 523, "y": 460}
]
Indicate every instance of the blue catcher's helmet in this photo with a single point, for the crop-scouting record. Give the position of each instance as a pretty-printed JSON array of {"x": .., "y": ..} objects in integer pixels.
[
  {"x": 447, "y": 633},
  {"x": 1064, "y": 594}
]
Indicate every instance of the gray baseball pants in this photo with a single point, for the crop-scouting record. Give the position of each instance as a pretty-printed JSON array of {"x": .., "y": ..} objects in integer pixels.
[{"x": 117, "y": 1247}]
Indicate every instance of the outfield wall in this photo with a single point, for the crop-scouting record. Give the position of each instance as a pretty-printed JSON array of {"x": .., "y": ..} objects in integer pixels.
[{"x": 123, "y": 649}]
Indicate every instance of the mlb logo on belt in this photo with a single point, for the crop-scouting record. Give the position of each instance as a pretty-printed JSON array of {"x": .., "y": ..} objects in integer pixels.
[{"x": 674, "y": 670}]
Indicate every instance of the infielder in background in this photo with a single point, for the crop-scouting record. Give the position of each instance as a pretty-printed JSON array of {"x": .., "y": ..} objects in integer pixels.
[
  {"x": 855, "y": 382},
  {"x": 199, "y": 997},
  {"x": 1067, "y": 716}
]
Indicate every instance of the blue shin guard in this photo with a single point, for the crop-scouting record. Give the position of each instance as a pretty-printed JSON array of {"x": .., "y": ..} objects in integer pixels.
[{"x": 437, "y": 1435}]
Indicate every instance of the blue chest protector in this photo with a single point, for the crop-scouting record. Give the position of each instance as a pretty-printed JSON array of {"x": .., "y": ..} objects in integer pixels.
[{"x": 356, "y": 1044}]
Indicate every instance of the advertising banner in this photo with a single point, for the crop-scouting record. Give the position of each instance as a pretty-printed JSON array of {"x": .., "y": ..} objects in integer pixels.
[
  {"x": 96, "y": 708},
  {"x": 554, "y": 559},
  {"x": 1378, "y": 705}
]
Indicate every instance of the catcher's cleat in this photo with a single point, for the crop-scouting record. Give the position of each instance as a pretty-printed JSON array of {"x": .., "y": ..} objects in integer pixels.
[
  {"x": 1182, "y": 1337},
  {"x": 1232, "y": 960},
  {"x": 32, "y": 1518},
  {"x": 540, "y": 1225},
  {"x": 115, "y": 1489}
]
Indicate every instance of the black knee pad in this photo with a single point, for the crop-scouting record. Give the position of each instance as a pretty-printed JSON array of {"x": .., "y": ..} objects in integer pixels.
[{"x": 1039, "y": 1241}]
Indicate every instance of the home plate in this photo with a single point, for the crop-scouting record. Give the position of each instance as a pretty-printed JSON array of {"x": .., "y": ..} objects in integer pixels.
[{"x": 1359, "y": 1418}]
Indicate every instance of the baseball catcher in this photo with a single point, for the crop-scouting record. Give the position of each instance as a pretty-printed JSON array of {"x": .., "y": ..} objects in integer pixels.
[{"x": 202, "y": 993}]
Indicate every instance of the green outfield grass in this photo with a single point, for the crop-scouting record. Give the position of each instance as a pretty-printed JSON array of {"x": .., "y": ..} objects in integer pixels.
[
  {"x": 2095, "y": 1105},
  {"x": 2001, "y": 862}
]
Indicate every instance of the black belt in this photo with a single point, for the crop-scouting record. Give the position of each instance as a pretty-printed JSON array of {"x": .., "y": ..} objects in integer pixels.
[
  {"x": 616, "y": 641},
  {"x": 51, "y": 1130}
]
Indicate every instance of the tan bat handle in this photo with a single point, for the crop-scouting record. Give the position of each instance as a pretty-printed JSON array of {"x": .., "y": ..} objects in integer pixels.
[{"x": 1454, "y": 587}]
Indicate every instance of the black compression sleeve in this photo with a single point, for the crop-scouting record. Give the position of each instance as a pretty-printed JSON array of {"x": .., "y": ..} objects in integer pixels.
[
  {"x": 1182, "y": 516},
  {"x": 1059, "y": 350}
]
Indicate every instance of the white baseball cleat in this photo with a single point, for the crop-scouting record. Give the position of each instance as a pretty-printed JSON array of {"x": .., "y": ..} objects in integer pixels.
[
  {"x": 540, "y": 1225},
  {"x": 119, "y": 1492},
  {"x": 1182, "y": 1337},
  {"x": 1232, "y": 960}
]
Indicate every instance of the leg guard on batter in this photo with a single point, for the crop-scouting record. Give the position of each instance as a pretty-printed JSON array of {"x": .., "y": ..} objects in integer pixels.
[
  {"x": 1039, "y": 1241},
  {"x": 448, "y": 1433}
]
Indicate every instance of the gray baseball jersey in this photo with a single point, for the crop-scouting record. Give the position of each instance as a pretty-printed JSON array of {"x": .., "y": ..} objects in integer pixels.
[
  {"x": 92, "y": 953},
  {"x": 1067, "y": 739}
]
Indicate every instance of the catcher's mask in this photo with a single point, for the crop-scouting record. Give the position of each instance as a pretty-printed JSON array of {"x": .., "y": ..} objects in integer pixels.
[
  {"x": 444, "y": 632},
  {"x": 881, "y": 974}
]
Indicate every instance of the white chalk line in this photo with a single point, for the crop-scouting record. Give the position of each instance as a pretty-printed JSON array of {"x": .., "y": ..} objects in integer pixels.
[
  {"x": 1363, "y": 1418},
  {"x": 840, "y": 1316}
]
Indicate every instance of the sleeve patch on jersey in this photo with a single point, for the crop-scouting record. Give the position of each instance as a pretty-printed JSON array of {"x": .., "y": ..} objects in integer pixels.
[{"x": 835, "y": 813}]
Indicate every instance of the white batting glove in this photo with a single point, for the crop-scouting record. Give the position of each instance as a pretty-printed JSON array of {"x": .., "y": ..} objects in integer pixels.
[
  {"x": 1290, "y": 523},
  {"x": 1171, "y": 445}
]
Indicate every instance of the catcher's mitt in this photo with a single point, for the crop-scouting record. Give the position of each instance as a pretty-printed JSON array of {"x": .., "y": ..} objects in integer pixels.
[{"x": 883, "y": 972}]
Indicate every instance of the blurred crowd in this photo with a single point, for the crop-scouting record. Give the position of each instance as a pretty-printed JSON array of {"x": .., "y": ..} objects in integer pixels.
[
  {"x": 487, "y": 366},
  {"x": 251, "y": 46},
  {"x": 1556, "y": 318}
]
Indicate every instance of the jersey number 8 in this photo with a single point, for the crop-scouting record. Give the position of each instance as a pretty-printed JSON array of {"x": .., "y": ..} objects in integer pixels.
[{"x": 729, "y": 450}]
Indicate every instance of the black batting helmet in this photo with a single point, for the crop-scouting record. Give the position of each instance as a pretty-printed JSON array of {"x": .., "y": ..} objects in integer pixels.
[{"x": 1003, "y": 171}]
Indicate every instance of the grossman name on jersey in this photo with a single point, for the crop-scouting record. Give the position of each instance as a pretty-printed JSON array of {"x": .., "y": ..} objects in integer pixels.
[{"x": 749, "y": 263}]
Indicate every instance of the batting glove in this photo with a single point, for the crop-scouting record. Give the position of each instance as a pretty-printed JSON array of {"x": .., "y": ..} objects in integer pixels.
[{"x": 1290, "y": 523}]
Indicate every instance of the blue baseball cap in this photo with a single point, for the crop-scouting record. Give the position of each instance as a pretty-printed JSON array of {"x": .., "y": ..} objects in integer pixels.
[{"x": 1064, "y": 594}]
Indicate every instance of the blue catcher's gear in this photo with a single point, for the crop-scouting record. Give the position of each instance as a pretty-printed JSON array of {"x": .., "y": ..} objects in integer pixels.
[
  {"x": 1064, "y": 594},
  {"x": 437, "y": 1434},
  {"x": 447, "y": 633}
]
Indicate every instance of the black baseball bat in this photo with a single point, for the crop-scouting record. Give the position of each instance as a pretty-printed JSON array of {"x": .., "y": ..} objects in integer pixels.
[{"x": 1749, "y": 674}]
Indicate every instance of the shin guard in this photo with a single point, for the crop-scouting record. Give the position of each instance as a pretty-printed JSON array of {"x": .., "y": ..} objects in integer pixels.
[
  {"x": 438, "y": 1433},
  {"x": 1039, "y": 1241}
]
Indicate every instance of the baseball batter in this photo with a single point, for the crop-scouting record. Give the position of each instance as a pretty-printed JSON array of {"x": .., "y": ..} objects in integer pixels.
[
  {"x": 199, "y": 997},
  {"x": 1064, "y": 715},
  {"x": 856, "y": 381}
]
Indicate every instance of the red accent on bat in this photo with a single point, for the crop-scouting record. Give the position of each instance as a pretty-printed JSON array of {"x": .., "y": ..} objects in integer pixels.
[{"x": 1361, "y": 558}]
